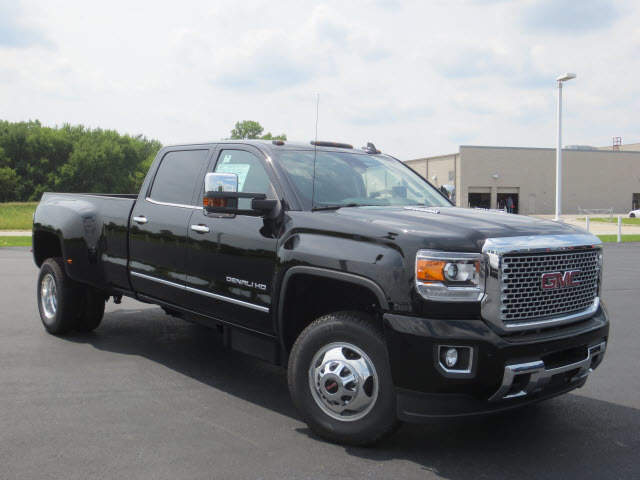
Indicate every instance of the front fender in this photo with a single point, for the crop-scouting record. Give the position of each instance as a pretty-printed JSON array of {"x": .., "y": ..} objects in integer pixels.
[{"x": 381, "y": 263}]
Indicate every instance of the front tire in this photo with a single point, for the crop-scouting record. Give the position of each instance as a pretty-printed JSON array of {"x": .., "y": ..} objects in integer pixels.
[
  {"x": 340, "y": 380},
  {"x": 632, "y": 215},
  {"x": 58, "y": 297}
]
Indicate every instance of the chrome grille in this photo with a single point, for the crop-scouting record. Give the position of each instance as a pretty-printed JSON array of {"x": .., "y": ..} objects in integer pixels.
[{"x": 522, "y": 296}]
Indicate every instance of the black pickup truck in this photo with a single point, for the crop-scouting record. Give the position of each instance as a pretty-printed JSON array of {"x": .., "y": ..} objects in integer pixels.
[{"x": 385, "y": 302}]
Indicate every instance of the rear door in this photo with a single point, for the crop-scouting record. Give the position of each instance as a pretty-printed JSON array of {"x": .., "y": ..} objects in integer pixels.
[
  {"x": 159, "y": 223},
  {"x": 231, "y": 259}
]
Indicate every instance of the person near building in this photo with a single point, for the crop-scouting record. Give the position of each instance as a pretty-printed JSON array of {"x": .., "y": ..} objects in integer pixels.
[{"x": 509, "y": 204}]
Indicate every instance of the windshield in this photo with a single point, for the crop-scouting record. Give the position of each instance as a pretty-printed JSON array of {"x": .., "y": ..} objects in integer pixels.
[{"x": 355, "y": 179}]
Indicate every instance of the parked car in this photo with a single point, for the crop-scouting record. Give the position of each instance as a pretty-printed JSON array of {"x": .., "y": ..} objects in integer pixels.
[
  {"x": 384, "y": 301},
  {"x": 634, "y": 214}
]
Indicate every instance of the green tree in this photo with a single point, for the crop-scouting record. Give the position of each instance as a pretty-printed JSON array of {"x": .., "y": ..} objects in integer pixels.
[
  {"x": 71, "y": 158},
  {"x": 250, "y": 129},
  {"x": 8, "y": 184},
  {"x": 105, "y": 161}
]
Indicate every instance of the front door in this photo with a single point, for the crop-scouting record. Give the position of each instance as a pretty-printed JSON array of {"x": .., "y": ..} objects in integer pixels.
[
  {"x": 159, "y": 223},
  {"x": 231, "y": 258}
]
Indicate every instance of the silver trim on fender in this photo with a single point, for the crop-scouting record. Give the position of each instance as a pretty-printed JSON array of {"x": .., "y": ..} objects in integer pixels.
[{"x": 242, "y": 303}]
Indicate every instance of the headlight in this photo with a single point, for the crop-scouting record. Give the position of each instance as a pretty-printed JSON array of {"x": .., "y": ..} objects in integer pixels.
[{"x": 449, "y": 277}]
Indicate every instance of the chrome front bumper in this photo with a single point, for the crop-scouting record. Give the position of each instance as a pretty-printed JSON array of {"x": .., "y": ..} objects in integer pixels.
[{"x": 531, "y": 377}]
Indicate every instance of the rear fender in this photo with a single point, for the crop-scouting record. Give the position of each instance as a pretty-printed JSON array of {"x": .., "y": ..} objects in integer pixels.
[{"x": 77, "y": 225}]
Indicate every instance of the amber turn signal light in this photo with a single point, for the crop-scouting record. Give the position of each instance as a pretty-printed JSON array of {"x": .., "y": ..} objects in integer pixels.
[
  {"x": 430, "y": 270},
  {"x": 214, "y": 202}
]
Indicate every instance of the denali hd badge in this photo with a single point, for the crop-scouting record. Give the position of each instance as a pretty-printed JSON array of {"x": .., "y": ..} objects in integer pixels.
[
  {"x": 247, "y": 283},
  {"x": 553, "y": 280}
]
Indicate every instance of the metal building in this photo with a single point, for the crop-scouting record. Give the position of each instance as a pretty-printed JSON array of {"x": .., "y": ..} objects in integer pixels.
[{"x": 486, "y": 176}]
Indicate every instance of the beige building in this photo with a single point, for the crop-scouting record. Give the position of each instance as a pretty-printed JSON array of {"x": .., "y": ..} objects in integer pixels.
[{"x": 487, "y": 176}]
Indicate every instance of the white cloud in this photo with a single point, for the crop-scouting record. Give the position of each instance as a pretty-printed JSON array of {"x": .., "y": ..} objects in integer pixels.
[
  {"x": 566, "y": 17},
  {"x": 15, "y": 32},
  {"x": 416, "y": 78}
]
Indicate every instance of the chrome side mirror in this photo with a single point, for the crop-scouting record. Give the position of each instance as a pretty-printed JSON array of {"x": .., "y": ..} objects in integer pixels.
[
  {"x": 221, "y": 182},
  {"x": 221, "y": 196}
]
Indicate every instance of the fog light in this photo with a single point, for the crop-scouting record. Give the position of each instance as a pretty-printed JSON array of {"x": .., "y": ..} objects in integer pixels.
[
  {"x": 451, "y": 357},
  {"x": 455, "y": 361}
]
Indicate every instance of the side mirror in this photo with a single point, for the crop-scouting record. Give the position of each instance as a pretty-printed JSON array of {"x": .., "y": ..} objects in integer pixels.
[{"x": 221, "y": 196}]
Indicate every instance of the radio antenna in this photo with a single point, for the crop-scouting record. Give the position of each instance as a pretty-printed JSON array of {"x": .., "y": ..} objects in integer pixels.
[{"x": 315, "y": 151}]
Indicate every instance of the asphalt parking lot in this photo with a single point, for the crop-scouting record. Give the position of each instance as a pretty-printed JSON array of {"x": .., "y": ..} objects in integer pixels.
[{"x": 148, "y": 396}]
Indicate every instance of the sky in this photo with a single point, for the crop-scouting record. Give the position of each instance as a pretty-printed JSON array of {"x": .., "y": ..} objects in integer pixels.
[{"x": 415, "y": 78}]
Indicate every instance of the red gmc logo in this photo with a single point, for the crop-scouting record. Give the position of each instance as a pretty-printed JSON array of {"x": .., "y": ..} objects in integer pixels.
[{"x": 559, "y": 280}]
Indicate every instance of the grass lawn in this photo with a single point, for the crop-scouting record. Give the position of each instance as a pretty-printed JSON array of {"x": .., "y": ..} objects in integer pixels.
[
  {"x": 614, "y": 238},
  {"x": 15, "y": 241},
  {"x": 17, "y": 216},
  {"x": 625, "y": 220}
]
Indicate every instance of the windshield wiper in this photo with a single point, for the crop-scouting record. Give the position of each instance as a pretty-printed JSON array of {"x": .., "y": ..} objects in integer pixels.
[{"x": 335, "y": 207}]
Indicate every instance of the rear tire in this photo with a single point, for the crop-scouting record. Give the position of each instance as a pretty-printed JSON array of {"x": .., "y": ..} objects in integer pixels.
[
  {"x": 340, "y": 380},
  {"x": 91, "y": 309},
  {"x": 632, "y": 215},
  {"x": 58, "y": 297}
]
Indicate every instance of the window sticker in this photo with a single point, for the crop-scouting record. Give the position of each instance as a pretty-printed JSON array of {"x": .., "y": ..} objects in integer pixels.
[
  {"x": 242, "y": 170},
  {"x": 226, "y": 159}
]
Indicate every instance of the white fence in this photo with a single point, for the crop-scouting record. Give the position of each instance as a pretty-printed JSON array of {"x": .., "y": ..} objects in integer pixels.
[{"x": 604, "y": 213}]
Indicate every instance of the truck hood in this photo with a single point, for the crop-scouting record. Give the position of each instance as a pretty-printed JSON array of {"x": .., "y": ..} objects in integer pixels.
[{"x": 453, "y": 228}]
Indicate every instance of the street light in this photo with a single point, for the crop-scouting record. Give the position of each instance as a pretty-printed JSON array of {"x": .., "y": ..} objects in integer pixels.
[{"x": 560, "y": 79}]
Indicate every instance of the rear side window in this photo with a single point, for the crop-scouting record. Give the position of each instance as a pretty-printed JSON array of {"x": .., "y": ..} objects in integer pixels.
[{"x": 177, "y": 175}]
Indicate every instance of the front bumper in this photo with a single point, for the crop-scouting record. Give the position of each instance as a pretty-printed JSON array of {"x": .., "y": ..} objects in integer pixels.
[{"x": 506, "y": 371}]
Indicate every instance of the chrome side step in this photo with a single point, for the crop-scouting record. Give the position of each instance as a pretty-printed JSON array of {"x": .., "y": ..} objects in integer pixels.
[{"x": 539, "y": 376}]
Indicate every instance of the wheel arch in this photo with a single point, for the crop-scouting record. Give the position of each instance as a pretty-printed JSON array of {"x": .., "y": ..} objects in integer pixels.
[
  {"x": 46, "y": 245},
  {"x": 295, "y": 310}
]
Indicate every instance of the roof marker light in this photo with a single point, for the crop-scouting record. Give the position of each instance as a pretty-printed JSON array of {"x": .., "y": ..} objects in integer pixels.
[{"x": 331, "y": 144}]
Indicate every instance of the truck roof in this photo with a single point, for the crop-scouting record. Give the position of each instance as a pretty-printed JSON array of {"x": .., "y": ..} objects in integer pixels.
[{"x": 270, "y": 145}]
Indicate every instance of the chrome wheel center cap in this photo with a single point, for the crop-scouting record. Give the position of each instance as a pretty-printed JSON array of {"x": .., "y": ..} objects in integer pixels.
[
  {"x": 337, "y": 382},
  {"x": 343, "y": 381}
]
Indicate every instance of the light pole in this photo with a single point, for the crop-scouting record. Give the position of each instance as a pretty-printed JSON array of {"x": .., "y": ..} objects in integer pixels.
[{"x": 562, "y": 78}]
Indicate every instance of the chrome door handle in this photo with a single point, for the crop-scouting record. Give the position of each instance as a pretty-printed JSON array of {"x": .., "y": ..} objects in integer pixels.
[
  {"x": 200, "y": 228},
  {"x": 141, "y": 219}
]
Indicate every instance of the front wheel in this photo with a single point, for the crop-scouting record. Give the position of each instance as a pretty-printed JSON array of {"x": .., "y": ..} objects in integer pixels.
[
  {"x": 340, "y": 380},
  {"x": 632, "y": 215}
]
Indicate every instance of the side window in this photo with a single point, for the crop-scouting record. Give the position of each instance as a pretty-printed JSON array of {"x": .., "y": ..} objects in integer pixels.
[
  {"x": 176, "y": 177},
  {"x": 252, "y": 177}
]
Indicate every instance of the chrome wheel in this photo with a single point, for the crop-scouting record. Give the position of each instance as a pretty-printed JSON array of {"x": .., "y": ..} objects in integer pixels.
[
  {"x": 48, "y": 296},
  {"x": 343, "y": 381}
]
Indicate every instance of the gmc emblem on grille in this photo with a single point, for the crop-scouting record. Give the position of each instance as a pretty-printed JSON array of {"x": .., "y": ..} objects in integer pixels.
[{"x": 559, "y": 280}]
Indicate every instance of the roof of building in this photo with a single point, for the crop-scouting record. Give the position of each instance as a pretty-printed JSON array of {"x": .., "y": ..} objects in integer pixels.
[{"x": 629, "y": 148}]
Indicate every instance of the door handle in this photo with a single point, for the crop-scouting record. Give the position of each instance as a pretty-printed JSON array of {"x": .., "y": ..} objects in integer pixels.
[
  {"x": 140, "y": 219},
  {"x": 200, "y": 228}
]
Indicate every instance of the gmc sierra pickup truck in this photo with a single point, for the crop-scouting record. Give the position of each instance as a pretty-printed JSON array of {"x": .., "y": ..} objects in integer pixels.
[{"x": 383, "y": 300}]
